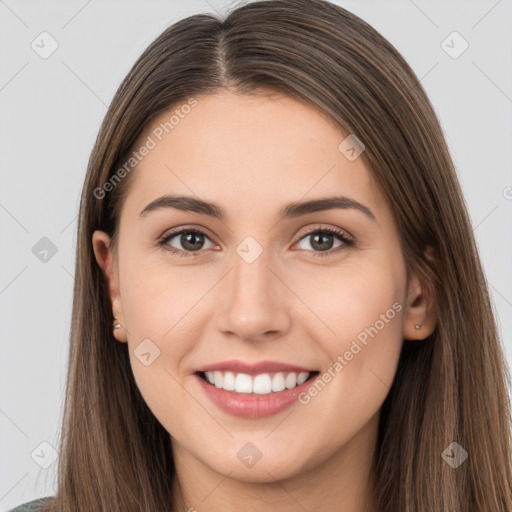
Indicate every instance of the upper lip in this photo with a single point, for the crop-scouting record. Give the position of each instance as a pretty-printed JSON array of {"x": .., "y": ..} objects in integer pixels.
[{"x": 237, "y": 366}]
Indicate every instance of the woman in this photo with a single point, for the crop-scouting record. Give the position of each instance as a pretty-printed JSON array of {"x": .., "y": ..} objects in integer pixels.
[{"x": 278, "y": 298}]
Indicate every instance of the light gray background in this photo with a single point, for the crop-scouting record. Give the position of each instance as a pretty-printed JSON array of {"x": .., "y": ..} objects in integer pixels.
[{"x": 51, "y": 110}]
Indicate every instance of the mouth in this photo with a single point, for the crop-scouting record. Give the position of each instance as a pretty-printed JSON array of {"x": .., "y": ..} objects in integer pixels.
[
  {"x": 260, "y": 384},
  {"x": 254, "y": 395}
]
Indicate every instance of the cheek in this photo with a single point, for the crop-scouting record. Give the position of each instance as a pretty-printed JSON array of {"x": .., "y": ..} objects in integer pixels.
[
  {"x": 361, "y": 321},
  {"x": 351, "y": 298},
  {"x": 161, "y": 301},
  {"x": 160, "y": 307},
  {"x": 363, "y": 309}
]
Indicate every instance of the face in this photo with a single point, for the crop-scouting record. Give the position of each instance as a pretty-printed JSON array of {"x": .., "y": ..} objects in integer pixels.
[{"x": 319, "y": 290}]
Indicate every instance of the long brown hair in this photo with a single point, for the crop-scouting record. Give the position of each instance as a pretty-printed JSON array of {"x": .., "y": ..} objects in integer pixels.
[{"x": 452, "y": 387}]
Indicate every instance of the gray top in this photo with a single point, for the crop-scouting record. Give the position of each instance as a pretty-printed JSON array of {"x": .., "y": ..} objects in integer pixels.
[{"x": 31, "y": 506}]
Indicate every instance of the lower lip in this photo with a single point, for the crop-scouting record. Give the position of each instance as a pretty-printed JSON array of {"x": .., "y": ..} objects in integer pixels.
[{"x": 249, "y": 405}]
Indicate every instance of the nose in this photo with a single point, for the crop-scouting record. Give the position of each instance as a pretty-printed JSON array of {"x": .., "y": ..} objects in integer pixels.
[{"x": 253, "y": 302}]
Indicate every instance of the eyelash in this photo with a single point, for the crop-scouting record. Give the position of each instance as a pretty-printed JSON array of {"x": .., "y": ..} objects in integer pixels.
[{"x": 341, "y": 235}]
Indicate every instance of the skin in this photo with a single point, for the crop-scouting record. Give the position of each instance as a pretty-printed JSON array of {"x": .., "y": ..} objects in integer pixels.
[{"x": 252, "y": 155}]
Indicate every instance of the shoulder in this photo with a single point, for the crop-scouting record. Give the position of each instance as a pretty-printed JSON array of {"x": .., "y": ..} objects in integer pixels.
[{"x": 31, "y": 506}]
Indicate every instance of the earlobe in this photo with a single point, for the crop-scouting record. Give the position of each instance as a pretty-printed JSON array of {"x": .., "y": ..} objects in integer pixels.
[
  {"x": 105, "y": 260},
  {"x": 420, "y": 316}
]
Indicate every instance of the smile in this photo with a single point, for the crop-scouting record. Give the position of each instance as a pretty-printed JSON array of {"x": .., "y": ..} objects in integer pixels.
[
  {"x": 262, "y": 384},
  {"x": 254, "y": 396}
]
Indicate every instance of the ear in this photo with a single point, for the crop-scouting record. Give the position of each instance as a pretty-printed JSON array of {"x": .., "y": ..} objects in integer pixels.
[
  {"x": 106, "y": 261},
  {"x": 420, "y": 309}
]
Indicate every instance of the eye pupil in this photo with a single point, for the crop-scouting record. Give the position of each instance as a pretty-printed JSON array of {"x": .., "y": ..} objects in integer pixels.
[
  {"x": 321, "y": 236},
  {"x": 191, "y": 241}
]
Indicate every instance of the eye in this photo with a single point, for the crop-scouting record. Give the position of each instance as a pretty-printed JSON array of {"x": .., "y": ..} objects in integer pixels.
[
  {"x": 322, "y": 240},
  {"x": 190, "y": 240}
]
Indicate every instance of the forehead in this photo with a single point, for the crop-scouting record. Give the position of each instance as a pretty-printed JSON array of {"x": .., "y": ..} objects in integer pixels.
[{"x": 247, "y": 151}]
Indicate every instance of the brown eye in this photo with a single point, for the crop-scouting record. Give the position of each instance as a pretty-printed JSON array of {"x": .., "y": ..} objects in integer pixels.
[
  {"x": 187, "y": 241},
  {"x": 322, "y": 240}
]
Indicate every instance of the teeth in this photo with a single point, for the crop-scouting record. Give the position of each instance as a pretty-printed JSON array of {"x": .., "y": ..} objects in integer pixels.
[
  {"x": 302, "y": 377},
  {"x": 217, "y": 379},
  {"x": 243, "y": 383},
  {"x": 278, "y": 382},
  {"x": 229, "y": 381},
  {"x": 262, "y": 384}
]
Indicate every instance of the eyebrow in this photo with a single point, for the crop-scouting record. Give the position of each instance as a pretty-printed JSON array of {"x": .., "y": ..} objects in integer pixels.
[{"x": 292, "y": 210}]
